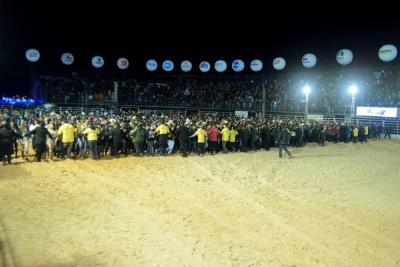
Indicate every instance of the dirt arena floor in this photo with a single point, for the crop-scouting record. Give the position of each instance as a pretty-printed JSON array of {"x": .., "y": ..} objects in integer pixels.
[{"x": 332, "y": 206}]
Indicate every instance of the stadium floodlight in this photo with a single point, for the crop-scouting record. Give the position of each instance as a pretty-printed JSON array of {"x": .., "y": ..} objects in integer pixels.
[
  {"x": 306, "y": 89},
  {"x": 353, "y": 89}
]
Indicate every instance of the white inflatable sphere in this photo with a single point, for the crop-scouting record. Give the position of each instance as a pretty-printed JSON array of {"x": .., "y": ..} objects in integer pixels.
[
  {"x": 97, "y": 62},
  {"x": 32, "y": 55},
  {"x": 309, "y": 60},
  {"x": 220, "y": 66},
  {"x": 186, "y": 66},
  {"x": 279, "y": 63},
  {"x": 344, "y": 56},
  {"x": 67, "y": 58},
  {"x": 256, "y": 65},
  {"x": 387, "y": 53}
]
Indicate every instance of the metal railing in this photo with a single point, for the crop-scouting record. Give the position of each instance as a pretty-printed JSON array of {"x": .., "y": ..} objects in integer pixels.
[{"x": 392, "y": 123}]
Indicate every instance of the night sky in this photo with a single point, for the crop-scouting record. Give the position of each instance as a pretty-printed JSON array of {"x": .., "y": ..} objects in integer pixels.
[{"x": 143, "y": 33}]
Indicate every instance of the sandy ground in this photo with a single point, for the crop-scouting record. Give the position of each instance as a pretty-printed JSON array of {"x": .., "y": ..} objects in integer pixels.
[{"x": 332, "y": 206}]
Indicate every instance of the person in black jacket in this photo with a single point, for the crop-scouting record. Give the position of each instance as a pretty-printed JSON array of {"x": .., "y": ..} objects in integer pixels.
[
  {"x": 387, "y": 131},
  {"x": 245, "y": 136},
  {"x": 283, "y": 139},
  {"x": 116, "y": 137},
  {"x": 266, "y": 137},
  {"x": 299, "y": 135},
  {"x": 321, "y": 135},
  {"x": 40, "y": 139},
  {"x": 14, "y": 127},
  {"x": 6, "y": 142},
  {"x": 183, "y": 134}
]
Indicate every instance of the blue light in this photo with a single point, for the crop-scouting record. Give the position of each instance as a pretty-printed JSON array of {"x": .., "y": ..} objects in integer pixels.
[{"x": 21, "y": 102}]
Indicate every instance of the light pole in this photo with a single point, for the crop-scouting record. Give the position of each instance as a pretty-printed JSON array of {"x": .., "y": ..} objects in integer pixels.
[
  {"x": 306, "y": 91},
  {"x": 353, "y": 91}
]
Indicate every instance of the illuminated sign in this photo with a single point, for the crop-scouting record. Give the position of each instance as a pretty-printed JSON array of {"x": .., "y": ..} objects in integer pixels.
[{"x": 377, "y": 112}]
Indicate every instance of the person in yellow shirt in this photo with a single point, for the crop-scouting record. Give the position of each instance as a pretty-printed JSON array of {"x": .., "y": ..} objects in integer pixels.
[
  {"x": 92, "y": 134},
  {"x": 232, "y": 138},
  {"x": 68, "y": 134},
  {"x": 225, "y": 138},
  {"x": 201, "y": 138},
  {"x": 162, "y": 131},
  {"x": 355, "y": 134},
  {"x": 365, "y": 133}
]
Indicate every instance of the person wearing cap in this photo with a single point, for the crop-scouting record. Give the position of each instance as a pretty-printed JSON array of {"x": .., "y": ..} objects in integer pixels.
[
  {"x": 68, "y": 134},
  {"x": 116, "y": 137},
  {"x": 232, "y": 138},
  {"x": 41, "y": 134},
  {"x": 201, "y": 137},
  {"x": 138, "y": 135}
]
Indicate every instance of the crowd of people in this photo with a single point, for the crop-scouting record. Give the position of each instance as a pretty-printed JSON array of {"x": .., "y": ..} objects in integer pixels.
[
  {"x": 66, "y": 135},
  {"x": 329, "y": 92}
]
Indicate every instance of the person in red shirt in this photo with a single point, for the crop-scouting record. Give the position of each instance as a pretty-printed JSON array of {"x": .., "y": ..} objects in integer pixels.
[
  {"x": 213, "y": 134},
  {"x": 329, "y": 132},
  {"x": 337, "y": 131}
]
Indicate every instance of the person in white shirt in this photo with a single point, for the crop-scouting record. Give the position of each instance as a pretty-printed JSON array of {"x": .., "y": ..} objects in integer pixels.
[
  {"x": 24, "y": 141},
  {"x": 50, "y": 142}
]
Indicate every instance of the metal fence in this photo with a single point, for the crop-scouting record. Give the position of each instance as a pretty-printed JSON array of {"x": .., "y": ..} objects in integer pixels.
[{"x": 392, "y": 123}]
